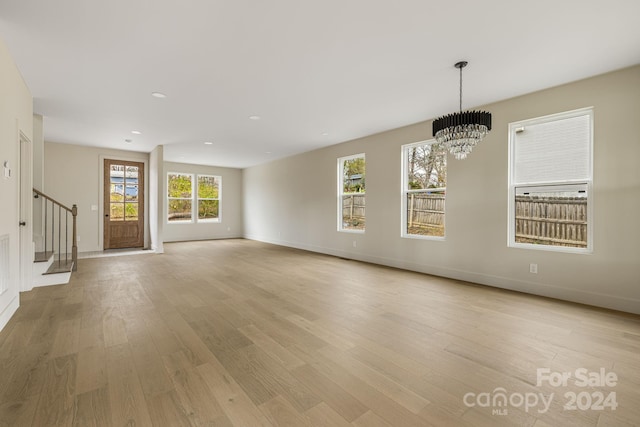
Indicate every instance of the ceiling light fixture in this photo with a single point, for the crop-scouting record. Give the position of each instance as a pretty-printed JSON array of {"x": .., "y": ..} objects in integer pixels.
[
  {"x": 254, "y": 117},
  {"x": 158, "y": 95},
  {"x": 136, "y": 132},
  {"x": 208, "y": 143},
  {"x": 460, "y": 132}
]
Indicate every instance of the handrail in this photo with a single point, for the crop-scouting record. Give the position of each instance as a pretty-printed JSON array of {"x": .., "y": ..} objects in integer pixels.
[
  {"x": 40, "y": 193},
  {"x": 74, "y": 213}
]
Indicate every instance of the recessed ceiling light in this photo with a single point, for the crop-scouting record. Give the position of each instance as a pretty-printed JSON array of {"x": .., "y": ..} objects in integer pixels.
[
  {"x": 325, "y": 134},
  {"x": 158, "y": 95},
  {"x": 254, "y": 117},
  {"x": 136, "y": 132},
  {"x": 208, "y": 143},
  {"x": 267, "y": 152},
  {"x": 128, "y": 140}
]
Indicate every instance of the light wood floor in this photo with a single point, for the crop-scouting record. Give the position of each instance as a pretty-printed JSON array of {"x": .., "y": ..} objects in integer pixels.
[{"x": 240, "y": 333}]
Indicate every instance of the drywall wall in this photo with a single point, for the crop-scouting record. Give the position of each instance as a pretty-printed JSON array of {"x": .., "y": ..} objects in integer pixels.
[
  {"x": 156, "y": 197},
  {"x": 292, "y": 202},
  {"x": 16, "y": 117},
  {"x": 230, "y": 225},
  {"x": 38, "y": 174},
  {"x": 73, "y": 174}
]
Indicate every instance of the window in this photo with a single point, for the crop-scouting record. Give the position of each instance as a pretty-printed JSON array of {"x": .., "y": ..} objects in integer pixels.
[
  {"x": 182, "y": 196},
  {"x": 208, "y": 197},
  {"x": 424, "y": 184},
  {"x": 351, "y": 193},
  {"x": 550, "y": 182}
]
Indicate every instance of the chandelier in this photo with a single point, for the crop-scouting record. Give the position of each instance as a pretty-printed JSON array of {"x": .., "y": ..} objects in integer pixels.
[{"x": 460, "y": 132}]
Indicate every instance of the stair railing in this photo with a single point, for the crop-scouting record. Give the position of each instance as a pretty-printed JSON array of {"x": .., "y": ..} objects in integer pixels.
[{"x": 50, "y": 207}]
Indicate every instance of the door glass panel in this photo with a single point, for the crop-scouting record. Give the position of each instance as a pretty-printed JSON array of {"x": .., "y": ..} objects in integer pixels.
[
  {"x": 132, "y": 174},
  {"x": 117, "y": 173},
  {"x": 117, "y": 212},
  {"x": 131, "y": 211},
  {"x": 131, "y": 193},
  {"x": 116, "y": 193}
]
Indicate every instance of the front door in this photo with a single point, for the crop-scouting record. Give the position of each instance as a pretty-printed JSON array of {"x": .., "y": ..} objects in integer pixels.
[{"x": 123, "y": 204}]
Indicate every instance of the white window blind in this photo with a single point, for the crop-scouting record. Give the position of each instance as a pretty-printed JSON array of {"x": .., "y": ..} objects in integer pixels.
[{"x": 558, "y": 150}]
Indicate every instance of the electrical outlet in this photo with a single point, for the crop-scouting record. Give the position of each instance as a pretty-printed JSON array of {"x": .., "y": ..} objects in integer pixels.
[
  {"x": 228, "y": 228},
  {"x": 533, "y": 268},
  {"x": 355, "y": 244}
]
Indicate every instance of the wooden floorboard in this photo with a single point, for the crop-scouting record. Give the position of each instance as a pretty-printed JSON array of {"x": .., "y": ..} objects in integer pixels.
[{"x": 241, "y": 333}]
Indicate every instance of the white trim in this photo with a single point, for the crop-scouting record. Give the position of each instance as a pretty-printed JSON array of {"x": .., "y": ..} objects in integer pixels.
[
  {"x": 630, "y": 305},
  {"x": 340, "y": 193},
  {"x": 404, "y": 191},
  {"x": 518, "y": 126},
  {"x": 166, "y": 198},
  {"x": 101, "y": 207},
  {"x": 219, "y": 199},
  {"x": 25, "y": 212},
  {"x": 194, "y": 199},
  {"x": 9, "y": 311}
]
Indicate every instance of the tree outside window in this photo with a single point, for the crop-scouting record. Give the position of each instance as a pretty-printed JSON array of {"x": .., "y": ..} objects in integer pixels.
[
  {"x": 179, "y": 191},
  {"x": 208, "y": 197},
  {"x": 351, "y": 193}
]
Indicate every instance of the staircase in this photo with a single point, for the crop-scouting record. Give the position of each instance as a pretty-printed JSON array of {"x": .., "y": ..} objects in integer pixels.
[{"x": 54, "y": 259}]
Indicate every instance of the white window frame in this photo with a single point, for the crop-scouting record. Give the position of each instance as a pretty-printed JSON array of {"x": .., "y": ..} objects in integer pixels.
[
  {"x": 197, "y": 199},
  {"x": 194, "y": 199},
  {"x": 405, "y": 192},
  {"x": 168, "y": 199},
  {"x": 340, "y": 168},
  {"x": 550, "y": 186}
]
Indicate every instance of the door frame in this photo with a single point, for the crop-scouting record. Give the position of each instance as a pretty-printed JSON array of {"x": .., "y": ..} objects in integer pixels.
[
  {"x": 25, "y": 211},
  {"x": 102, "y": 207}
]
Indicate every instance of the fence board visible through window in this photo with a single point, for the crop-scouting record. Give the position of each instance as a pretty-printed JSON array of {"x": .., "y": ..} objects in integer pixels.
[
  {"x": 425, "y": 214},
  {"x": 353, "y": 211},
  {"x": 556, "y": 221},
  {"x": 424, "y": 185}
]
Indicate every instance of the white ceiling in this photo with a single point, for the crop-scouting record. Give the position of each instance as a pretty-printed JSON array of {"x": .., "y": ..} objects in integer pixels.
[{"x": 316, "y": 72}]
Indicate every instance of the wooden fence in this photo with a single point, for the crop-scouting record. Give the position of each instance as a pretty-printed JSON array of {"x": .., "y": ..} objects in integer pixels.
[
  {"x": 425, "y": 214},
  {"x": 556, "y": 221},
  {"x": 353, "y": 211}
]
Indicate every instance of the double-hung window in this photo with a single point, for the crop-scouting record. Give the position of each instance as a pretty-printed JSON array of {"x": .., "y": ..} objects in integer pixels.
[
  {"x": 208, "y": 198},
  {"x": 193, "y": 198},
  {"x": 179, "y": 197},
  {"x": 424, "y": 184},
  {"x": 351, "y": 193},
  {"x": 550, "y": 182}
]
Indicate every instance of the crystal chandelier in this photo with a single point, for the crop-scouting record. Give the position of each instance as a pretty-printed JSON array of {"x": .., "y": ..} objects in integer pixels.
[{"x": 460, "y": 132}]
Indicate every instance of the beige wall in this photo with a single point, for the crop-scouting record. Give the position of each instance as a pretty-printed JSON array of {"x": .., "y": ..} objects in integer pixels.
[
  {"x": 293, "y": 202},
  {"x": 16, "y": 116},
  {"x": 156, "y": 199},
  {"x": 73, "y": 175},
  {"x": 231, "y": 206}
]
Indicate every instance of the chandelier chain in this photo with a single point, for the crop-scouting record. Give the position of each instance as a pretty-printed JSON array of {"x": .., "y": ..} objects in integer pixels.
[{"x": 461, "y": 89}]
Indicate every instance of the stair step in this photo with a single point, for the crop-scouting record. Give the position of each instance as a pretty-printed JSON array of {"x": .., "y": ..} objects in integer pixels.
[
  {"x": 42, "y": 256},
  {"x": 60, "y": 267}
]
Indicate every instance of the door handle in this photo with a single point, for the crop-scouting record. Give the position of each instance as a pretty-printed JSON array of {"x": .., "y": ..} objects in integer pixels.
[{"x": 22, "y": 223}]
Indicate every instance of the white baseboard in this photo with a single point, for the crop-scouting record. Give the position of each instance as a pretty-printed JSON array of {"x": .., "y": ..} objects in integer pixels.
[
  {"x": 9, "y": 311},
  {"x": 629, "y": 305}
]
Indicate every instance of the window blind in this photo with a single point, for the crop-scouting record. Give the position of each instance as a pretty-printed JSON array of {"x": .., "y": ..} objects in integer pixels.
[{"x": 553, "y": 151}]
